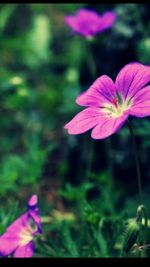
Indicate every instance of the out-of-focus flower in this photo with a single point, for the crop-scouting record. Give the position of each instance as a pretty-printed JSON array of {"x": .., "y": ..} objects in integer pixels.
[
  {"x": 18, "y": 238},
  {"x": 109, "y": 104},
  {"x": 88, "y": 22}
]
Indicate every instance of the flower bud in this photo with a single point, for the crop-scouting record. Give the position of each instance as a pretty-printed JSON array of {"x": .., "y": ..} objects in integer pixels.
[{"x": 131, "y": 235}]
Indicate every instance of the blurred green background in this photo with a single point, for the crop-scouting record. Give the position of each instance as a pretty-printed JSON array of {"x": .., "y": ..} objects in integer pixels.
[{"x": 84, "y": 186}]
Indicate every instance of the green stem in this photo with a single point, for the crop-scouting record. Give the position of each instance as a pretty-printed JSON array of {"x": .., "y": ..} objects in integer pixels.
[
  {"x": 136, "y": 161},
  {"x": 90, "y": 59},
  {"x": 90, "y": 158},
  {"x": 89, "y": 56},
  {"x": 93, "y": 70},
  {"x": 108, "y": 149}
]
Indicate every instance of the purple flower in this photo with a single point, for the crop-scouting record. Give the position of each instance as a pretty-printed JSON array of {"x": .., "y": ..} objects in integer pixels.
[
  {"x": 108, "y": 104},
  {"x": 18, "y": 238},
  {"x": 88, "y": 22}
]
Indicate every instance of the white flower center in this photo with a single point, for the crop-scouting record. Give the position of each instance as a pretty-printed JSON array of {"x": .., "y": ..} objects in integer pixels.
[
  {"x": 117, "y": 108},
  {"x": 26, "y": 236}
]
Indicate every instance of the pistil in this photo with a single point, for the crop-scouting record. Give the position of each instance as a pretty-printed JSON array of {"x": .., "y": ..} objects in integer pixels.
[{"x": 115, "y": 102}]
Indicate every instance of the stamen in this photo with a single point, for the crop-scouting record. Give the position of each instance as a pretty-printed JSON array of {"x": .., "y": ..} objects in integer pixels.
[{"x": 117, "y": 107}]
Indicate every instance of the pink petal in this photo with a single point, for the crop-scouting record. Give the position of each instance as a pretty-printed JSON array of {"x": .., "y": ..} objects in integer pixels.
[
  {"x": 142, "y": 110},
  {"x": 8, "y": 243},
  {"x": 10, "y": 239},
  {"x": 132, "y": 78},
  {"x": 18, "y": 224},
  {"x": 86, "y": 14},
  {"x": 80, "y": 22},
  {"x": 108, "y": 19},
  {"x": 108, "y": 127},
  {"x": 141, "y": 103},
  {"x": 72, "y": 22},
  {"x": 25, "y": 251},
  {"x": 100, "y": 92},
  {"x": 33, "y": 200},
  {"x": 84, "y": 120},
  {"x": 141, "y": 95},
  {"x": 16, "y": 227},
  {"x": 34, "y": 213}
]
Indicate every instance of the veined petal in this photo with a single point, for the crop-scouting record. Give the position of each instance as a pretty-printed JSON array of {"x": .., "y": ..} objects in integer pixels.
[
  {"x": 85, "y": 120},
  {"x": 132, "y": 78},
  {"x": 142, "y": 95},
  {"x": 141, "y": 110},
  {"x": 25, "y": 251},
  {"x": 100, "y": 92},
  {"x": 141, "y": 103},
  {"x": 108, "y": 127}
]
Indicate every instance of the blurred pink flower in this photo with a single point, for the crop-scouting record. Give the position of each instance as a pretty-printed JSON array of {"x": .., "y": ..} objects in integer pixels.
[
  {"x": 109, "y": 104},
  {"x": 18, "y": 238},
  {"x": 88, "y": 22}
]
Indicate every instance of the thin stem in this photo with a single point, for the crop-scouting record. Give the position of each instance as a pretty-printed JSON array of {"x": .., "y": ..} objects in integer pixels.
[
  {"x": 136, "y": 161},
  {"x": 90, "y": 59},
  {"x": 108, "y": 149},
  {"x": 93, "y": 71}
]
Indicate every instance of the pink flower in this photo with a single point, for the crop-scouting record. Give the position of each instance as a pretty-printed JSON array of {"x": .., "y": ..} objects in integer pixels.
[
  {"x": 18, "y": 238},
  {"x": 108, "y": 104},
  {"x": 88, "y": 22}
]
